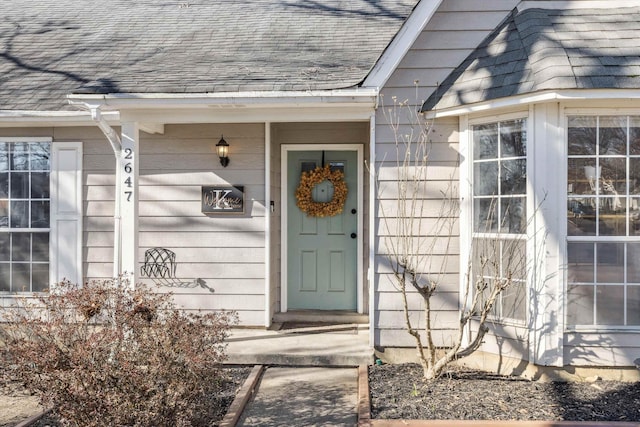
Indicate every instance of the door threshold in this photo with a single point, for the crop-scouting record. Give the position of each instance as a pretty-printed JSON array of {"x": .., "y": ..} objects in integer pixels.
[{"x": 321, "y": 317}]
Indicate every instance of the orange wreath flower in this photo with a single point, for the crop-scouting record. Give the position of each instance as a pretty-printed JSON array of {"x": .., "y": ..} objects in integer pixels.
[{"x": 304, "y": 196}]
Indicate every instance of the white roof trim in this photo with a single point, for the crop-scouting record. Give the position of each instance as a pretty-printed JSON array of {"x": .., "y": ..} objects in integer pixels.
[
  {"x": 282, "y": 99},
  {"x": 401, "y": 43},
  {"x": 538, "y": 97},
  {"x": 574, "y": 4},
  {"x": 45, "y": 118}
]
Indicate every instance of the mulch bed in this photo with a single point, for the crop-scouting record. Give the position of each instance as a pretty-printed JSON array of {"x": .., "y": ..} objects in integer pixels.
[
  {"x": 234, "y": 378},
  {"x": 398, "y": 392}
]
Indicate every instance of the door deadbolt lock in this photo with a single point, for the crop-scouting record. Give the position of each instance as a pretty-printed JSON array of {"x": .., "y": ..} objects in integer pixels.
[
  {"x": 354, "y": 235},
  {"x": 353, "y": 211}
]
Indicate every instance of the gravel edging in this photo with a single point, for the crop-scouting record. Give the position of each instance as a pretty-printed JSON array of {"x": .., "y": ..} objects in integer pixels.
[{"x": 365, "y": 416}]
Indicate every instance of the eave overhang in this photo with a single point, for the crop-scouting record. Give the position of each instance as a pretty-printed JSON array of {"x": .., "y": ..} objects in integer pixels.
[
  {"x": 21, "y": 118},
  {"x": 236, "y": 107},
  {"x": 536, "y": 98}
]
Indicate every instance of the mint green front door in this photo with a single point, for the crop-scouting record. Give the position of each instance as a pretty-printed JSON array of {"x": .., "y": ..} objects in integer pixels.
[{"x": 322, "y": 252}]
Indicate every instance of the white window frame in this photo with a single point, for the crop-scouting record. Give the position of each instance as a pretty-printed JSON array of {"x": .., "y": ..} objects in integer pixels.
[
  {"x": 567, "y": 111},
  {"x": 9, "y": 230},
  {"x": 65, "y": 211},
  {"x": 467, "y": 200}
]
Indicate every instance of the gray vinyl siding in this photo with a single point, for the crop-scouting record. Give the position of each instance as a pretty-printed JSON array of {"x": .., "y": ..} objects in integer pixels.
[
  {"x": 225, "y": 251},
  {"x": 454, "y": 31},
  {"x": 601, "y": 349}
]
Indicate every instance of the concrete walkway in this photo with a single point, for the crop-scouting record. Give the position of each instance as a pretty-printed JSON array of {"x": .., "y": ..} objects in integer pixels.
[
  {"x": 335, "y": 345},
  {"x": 310, "y": 396}
]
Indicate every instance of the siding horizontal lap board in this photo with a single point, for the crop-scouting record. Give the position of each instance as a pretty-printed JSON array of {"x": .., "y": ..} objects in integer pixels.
[
  {"x": 592, "y": 348},
  {"x": 227, "y": 251},
  {"x": 455, "y": 30}
]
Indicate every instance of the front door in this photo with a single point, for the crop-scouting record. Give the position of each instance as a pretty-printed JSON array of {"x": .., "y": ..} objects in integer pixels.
[{"x": 322, "y": 251}]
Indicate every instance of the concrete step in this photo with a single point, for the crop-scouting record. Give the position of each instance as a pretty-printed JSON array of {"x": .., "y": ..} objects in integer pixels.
[{"x": 337, "y": 345}]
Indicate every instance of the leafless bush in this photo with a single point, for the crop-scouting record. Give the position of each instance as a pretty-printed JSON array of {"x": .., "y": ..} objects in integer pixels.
[
  {"x": 418, "y": 244},
  {"x": 107, "y": 354}
]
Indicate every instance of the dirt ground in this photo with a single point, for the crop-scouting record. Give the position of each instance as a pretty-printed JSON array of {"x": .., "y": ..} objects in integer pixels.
[
  {"x": 398, "y": 392},
  {"x": 16, "y": 404}
]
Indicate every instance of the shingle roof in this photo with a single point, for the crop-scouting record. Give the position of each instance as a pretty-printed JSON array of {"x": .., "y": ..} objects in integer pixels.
[
  {"x": 49, "y": 49},
  {"x": 541, "y": 49}
]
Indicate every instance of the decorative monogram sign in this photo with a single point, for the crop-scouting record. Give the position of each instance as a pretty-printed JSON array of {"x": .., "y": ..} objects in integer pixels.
[{"x": 221, "y": 199}]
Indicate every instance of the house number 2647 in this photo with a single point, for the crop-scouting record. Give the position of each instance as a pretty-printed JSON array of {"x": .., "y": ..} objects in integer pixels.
[{"x": 128, "y": 155}]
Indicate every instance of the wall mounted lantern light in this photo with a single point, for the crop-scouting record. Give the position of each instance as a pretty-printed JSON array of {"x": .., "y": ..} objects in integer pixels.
[{"x": 222, "y": 147}]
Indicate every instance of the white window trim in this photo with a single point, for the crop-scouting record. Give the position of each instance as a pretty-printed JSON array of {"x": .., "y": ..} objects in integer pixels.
[
  {"x": 598, "y": 111},
  {"x": 466, "y": 198},
  {"x": 10, "y": 230}
]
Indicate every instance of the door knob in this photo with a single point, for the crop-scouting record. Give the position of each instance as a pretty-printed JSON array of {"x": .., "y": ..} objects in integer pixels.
[
  {"x": 354, "y": 235},
  {"x": 353, "y": 211}
]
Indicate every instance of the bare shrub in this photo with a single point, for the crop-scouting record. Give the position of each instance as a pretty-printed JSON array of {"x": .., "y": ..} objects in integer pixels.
[
  {"x": 419, "y": 226},
  {"x": 108, "y": 354}
]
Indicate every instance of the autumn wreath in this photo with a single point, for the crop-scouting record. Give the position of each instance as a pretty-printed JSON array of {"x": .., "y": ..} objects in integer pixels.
[{"x": 304, "y": 196}]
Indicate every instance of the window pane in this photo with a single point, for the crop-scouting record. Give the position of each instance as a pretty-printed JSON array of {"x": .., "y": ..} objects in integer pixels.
[
  {"x": 581, "y": 257},
  {"x": 634, "y": 175},
  {"x": 634, "y": 216},
  {"x": 633, "y": 305},
  {"x": 581, "y": 176},
  {"x": 5, "y": 246},
  {"x": 582, "y": 136},
  {"x": 485, "y": 141},
  {"x": 21, "y": 247},
  {"x": 5, "y": 277},
  {"x": 40, "y": 185},
  {"x": 4, "y": 214},
  {"x": 20, "y": 277},
  {"x": 40, "y": 248},
  {"x": 634, "y": 136},
  {"x": 485, "y": 215},
  {"x": 40, "y": 277},
  {"x": 40, "y": 214},
  {"x": 4, "y": 185},
  {"x": 613, "y": 216},
  {"x": 513, "y": 138},
  {"x": 581, "y": 216},
  {"x": 514, "y": 259},
  {"x": 610, "y": 305},
  {"x": 4, "y": 156},
  {"x": 19, "y": 185},
  {"x": 580, "y": 305},
  {"x": 39, "y": 156},
  {"x": 19, "y": 156},
  {"x": 485, "y": 179},
  {"x": 513, "y": 301},
  {"x": 614, "y": 176},
  {"x": 19, "y": 214},
  {"x": 513, "y": 215},
  {"x": 633, "y": 262},
  {"x": 613, "y": 135},
  {"x": 513, "y": 177},
  {"x": 610, "y": 265}
]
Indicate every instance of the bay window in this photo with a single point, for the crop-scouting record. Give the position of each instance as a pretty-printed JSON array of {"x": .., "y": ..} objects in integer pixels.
[
  {"x": 603, "y": 221},
  {"x": 499, "y": 182}
]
